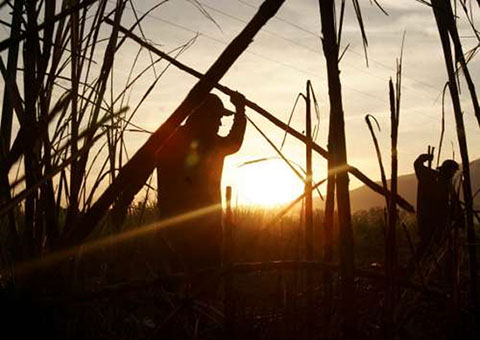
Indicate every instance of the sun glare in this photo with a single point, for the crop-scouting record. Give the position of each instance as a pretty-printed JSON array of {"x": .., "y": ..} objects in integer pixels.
[{"x": 267, "y": 184}]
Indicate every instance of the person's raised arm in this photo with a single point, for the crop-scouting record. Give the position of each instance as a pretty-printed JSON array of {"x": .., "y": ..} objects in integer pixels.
[
  {"x": 233, "y": 141},
  {"x": 420, "y": 168}
]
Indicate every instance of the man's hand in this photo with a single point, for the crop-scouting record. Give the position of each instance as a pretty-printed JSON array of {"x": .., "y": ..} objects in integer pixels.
[
  {"x": 238, "y": 100},
  {"x": 425, "y": 157}
]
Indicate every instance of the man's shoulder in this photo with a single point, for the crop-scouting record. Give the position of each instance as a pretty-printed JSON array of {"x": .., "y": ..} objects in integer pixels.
[
  {"x": 179, "y": 137},
  {"x": 427, "y": 179}
]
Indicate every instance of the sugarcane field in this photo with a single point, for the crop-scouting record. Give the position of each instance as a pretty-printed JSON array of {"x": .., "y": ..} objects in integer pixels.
[{"x": 241, "y": 169}]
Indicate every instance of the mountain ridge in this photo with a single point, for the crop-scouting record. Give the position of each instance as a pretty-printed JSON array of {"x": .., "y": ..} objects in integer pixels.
[{"x": 363, "y": 198}]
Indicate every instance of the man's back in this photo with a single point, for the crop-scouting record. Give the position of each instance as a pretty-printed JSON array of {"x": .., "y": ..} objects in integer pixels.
[
  {"x": 433, "y": 200},
  {"x": 189, "y": 174},
  {"x": 190, "y": 170}
]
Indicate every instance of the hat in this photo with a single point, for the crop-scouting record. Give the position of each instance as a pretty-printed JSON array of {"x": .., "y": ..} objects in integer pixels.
[{"x": 213, "y": 105}]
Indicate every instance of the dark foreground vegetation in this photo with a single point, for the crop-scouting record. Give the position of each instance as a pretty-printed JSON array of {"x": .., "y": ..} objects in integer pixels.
[
  {"x": 79, "y": 260},
  {"x": 120, "y": 290}
]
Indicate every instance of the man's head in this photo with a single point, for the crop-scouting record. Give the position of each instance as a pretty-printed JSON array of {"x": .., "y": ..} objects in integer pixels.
[
  {"x": 207, "y": 117},
  {"x": 448, "y": 168}
]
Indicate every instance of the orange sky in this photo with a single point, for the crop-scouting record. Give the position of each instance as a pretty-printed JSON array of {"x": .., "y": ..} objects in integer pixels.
[{"x": 288, "y": 52}]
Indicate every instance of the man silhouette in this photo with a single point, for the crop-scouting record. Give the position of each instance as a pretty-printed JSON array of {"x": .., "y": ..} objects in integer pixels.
[
  {"x": 435, "y": 199},
  {"x": 189, "y": 171}
]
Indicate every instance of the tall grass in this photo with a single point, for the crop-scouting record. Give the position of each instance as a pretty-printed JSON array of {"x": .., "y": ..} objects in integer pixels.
[{"x": 56, "y": 119}]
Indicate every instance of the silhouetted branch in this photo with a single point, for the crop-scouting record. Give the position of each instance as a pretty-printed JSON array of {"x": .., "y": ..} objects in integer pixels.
[
  {"x": 133, "y": 175},
  {"x": 274, "y": 120}
]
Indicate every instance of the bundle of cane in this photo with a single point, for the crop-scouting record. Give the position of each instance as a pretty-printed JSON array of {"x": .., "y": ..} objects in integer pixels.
[{"x": 430, "y": 151}]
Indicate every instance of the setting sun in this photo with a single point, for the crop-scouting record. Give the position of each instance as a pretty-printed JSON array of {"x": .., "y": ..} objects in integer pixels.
[{"x": 267, "y": 184}]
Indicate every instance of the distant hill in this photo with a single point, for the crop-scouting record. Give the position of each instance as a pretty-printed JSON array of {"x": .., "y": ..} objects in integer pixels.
[{"x": 364, "y": 198}]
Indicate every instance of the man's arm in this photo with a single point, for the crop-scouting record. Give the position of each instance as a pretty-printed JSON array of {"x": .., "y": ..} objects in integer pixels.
[
  {"x": 234, "y": 140},
  {"x": 420, "y": 169}
]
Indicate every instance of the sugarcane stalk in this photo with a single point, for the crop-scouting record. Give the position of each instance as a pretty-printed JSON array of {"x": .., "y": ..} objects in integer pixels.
[
  {"x": 227, "y": 264},
  {"x": 269, "y": 116},
  {"x": 309, "y": 213},
  {"x": 440, "y": 9},
  {"x": 7, "y": 120},
  {"x": 339, "y": 157},
  {"x": 134, "y": 173}
]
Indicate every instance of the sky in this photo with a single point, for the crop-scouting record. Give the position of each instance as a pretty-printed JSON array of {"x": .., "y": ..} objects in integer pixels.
[
  {"x": 288, "y": 52},
  {"x": 283, "y": 56}
]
